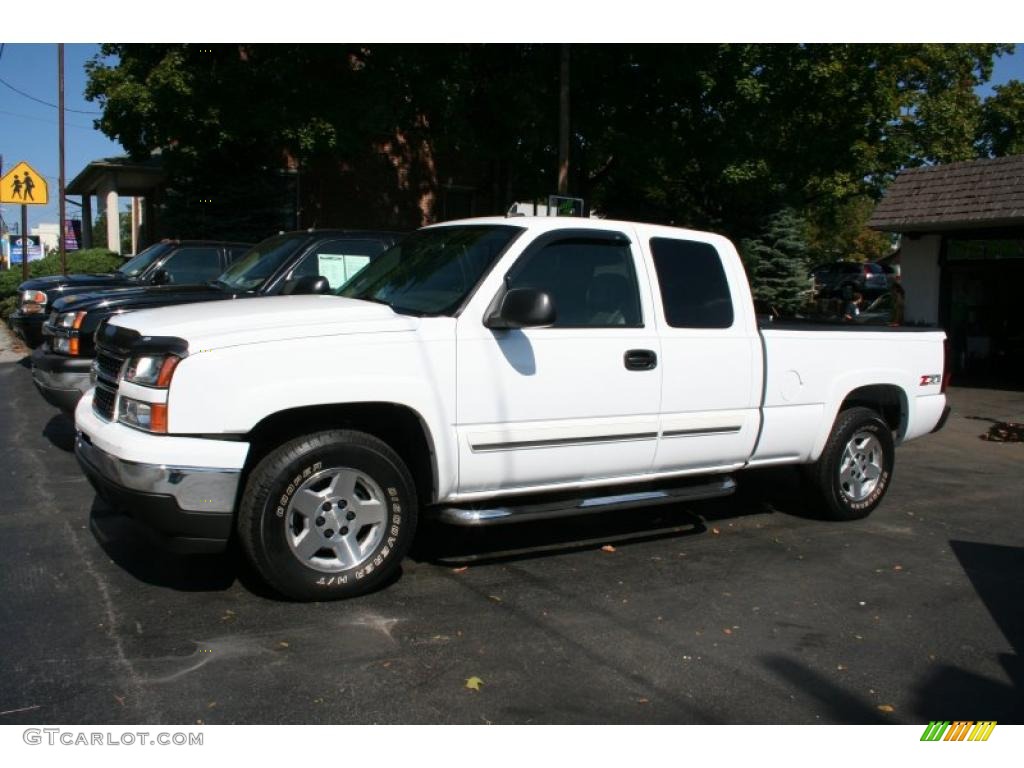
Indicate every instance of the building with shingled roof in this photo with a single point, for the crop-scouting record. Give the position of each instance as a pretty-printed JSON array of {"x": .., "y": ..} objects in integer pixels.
[{"x": 961, "y": 228}]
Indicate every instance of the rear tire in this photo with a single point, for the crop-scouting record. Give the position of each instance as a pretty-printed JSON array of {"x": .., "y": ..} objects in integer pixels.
[
  {"x": 855, "y": 468},
  {"x": 328, "y": 516}
]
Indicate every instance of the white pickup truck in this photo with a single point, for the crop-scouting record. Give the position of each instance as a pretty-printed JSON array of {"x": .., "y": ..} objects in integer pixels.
[{"x": 486, "y": 371}]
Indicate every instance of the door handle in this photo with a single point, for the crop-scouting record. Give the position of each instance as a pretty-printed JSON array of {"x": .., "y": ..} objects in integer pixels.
[{"x": 640, "y": 359}]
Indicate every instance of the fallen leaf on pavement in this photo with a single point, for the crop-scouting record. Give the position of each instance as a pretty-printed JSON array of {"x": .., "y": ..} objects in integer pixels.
[
  {"x": 643, "y": 701},
  {"x": 474, "y": 683},
  {"x": 494, "y": 598},
  {"x": 715, "y": 531},
  {"x": 463, "y": 569},
  {"x": 727, "y": 631},
  {"x": 886, "y": 708},
  {"x": 607, "y": 548}
]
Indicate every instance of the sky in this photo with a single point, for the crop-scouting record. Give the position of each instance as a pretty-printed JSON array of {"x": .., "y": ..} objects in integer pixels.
[{"x": 28, "y": 129}]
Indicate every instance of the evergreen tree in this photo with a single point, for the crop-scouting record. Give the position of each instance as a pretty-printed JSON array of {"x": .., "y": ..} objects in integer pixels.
[{"x": 778, "y": 261}]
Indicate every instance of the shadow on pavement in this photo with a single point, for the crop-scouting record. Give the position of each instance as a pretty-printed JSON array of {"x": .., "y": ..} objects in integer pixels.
[
  {"x": 841, "y": 706},
  {"x": 997, "y": 574},
  {"x": 760, "y": 492},
  {"x": 60, "y": 431},
  {"x": 129, "y": 548}
]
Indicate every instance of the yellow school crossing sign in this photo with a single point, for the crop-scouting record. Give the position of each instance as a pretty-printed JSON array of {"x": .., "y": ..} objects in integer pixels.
[{"x": 24, "y": 185}]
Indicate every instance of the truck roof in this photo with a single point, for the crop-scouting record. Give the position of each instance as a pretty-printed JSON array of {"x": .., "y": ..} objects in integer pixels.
[{"x": 549, "y": 223}]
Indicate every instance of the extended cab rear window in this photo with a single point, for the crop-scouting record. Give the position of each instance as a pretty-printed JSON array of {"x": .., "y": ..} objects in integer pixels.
[{"x": 694, "y": 291}]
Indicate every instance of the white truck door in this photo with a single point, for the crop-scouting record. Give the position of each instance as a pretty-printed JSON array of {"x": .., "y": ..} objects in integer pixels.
[
  {"x": 576, "y": 401},
  {"x": 711, "y": 355}
]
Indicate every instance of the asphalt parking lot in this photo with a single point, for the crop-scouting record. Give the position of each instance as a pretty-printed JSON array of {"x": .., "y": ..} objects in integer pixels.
[{"x": 743, "y": 610}]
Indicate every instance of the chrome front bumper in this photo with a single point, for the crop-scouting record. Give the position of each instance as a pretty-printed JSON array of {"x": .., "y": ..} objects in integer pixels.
[{"x": 194, "y": 489}]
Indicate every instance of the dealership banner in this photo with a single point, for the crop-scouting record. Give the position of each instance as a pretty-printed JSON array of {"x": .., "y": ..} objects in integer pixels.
[
  {"x": 72, "y": 234},
  {"x": 35, "y": 250}
]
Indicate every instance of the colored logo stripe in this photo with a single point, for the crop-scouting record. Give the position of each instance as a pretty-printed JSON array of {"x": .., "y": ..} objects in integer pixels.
[{"x": 959, "y": 730}]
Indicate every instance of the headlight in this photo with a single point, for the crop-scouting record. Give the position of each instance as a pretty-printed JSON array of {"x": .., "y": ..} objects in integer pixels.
[
  {"x": 72, "y": 320},
  {"x": 151, "y": 417},
  {"x": 33, "y": 302},
  {"x": 151, "y": 370}
]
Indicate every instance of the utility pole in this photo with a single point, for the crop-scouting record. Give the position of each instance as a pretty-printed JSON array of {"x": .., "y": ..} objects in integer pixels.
[
  {"x": 563, "y": 123},
  {"x": 60, "y": 181}
]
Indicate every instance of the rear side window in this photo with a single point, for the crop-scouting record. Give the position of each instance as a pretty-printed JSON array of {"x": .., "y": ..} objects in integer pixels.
[
  {"x": 591, "y": 282},
  {"x": 694, "y": 291}
]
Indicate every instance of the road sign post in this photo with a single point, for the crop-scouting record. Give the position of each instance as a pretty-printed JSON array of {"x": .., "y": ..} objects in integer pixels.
[
  {"x": 25, "y": 186},
  {"x": 24, "y": 243}
]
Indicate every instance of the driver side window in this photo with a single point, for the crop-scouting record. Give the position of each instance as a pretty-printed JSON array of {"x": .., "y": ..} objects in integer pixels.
[{"x": 591, "y": 282}]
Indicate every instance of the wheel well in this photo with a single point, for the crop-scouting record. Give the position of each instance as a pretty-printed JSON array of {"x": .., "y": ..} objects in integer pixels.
[
  {"x": 888, "y": 400},
  {"x": 397, "y": 425}
]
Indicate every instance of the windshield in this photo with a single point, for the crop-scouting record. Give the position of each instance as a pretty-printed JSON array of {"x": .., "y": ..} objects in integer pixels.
[
  {"x": 138, "y": 264},
  {"x": 431, "y": 271},
  {"x": 253, "y": 269}
]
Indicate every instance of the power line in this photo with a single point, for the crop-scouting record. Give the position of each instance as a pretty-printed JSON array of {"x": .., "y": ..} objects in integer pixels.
[
  {"x": 46, "y": 103},
  {"x": 49, "y": 121}
]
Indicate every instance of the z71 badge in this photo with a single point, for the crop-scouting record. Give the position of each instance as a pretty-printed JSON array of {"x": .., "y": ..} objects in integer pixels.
[{"x": 927, "y": 381}]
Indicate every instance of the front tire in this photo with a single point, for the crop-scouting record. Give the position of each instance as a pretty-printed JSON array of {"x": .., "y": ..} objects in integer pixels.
[
  {"x": 328, "y": 516},
  {"x": 855, "y": 468}
]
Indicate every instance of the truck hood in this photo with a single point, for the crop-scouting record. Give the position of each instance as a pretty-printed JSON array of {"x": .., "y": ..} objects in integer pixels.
[
  {"x": 121, "y": 299},
  {"x": 70, "y": 283},
  {"x": 218, "y": 324}
]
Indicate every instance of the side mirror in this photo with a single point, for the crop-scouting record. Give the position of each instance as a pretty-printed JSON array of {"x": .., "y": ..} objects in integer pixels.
[
  {"x": 162, "y": 277},
  {"x": 310, "y": 284},
  {"x": 522, "y": 308}
]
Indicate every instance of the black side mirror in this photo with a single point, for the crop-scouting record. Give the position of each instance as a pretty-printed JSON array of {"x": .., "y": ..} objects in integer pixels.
[
  {"x": 309, "y": 284},
  {"x": 162, "y": 277},
  {"x": 522, "y": 308}
]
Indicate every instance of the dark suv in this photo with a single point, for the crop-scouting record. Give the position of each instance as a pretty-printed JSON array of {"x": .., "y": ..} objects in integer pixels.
[
  {"x": 169, "y": 261},
  {"x": 312, "y": 261},
  {"x": 844, "y": 278}
]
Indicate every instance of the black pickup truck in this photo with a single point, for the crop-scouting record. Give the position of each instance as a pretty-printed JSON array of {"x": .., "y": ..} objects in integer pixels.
[
  {"x": 170, "y": 261},
  {"x": 313, "y": 261}
]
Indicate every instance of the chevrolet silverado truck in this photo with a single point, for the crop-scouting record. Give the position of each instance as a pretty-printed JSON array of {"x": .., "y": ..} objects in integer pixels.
[
  {"x": 169, "y": 261},
  {"x": 484, "y": 372},
  {"x": 308, "y": 261}
]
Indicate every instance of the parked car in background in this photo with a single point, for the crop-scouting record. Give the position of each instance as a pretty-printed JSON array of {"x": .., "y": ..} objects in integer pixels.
[
  {"x": 169, "y": 261},
  {"x": 311, "y": 261},
  {"x": 878, "y": 312},
  {"x": 844, "y": 278}
]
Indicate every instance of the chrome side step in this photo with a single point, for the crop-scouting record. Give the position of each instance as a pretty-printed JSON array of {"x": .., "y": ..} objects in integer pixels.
[{"x": 485, "y": 513}]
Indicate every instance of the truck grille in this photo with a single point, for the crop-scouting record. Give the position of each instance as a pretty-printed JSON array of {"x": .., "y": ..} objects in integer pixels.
[
  {"x": 108, "y": 366},
  {"x": 103, "y": 400},
  {"x": 108, "y": 373}
]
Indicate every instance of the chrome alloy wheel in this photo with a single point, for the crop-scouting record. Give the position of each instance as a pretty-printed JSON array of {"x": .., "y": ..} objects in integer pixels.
[
  {"x": 861, "y": 467},
  {"x": 336, "y": 519}
]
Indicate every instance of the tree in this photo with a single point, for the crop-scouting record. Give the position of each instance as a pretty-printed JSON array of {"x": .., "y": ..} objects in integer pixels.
[
  {"x": 99, "y": 231},
  {"x": 777, "y": 261},
  {"x": 1003, "y": 120},
  {"x": 709, "y": 136}
]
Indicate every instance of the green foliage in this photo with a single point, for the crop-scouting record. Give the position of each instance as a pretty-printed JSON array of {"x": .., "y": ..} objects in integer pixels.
[
  {"x": 7, "y": 306},
  {"x": 778, "y": 261},
  {"x": 1003, "y": 120},
  {"x": 839, "y": 232},
  {"x": 99, "y": 230},
  {"x": 93, "y": 260},
  {"x": 710, "y": 136}
]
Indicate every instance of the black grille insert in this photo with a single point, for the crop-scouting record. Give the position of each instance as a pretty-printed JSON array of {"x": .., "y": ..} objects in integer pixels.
[
  {"x": 103, "y": 401},
  {"x": 108, "y": 366}
]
